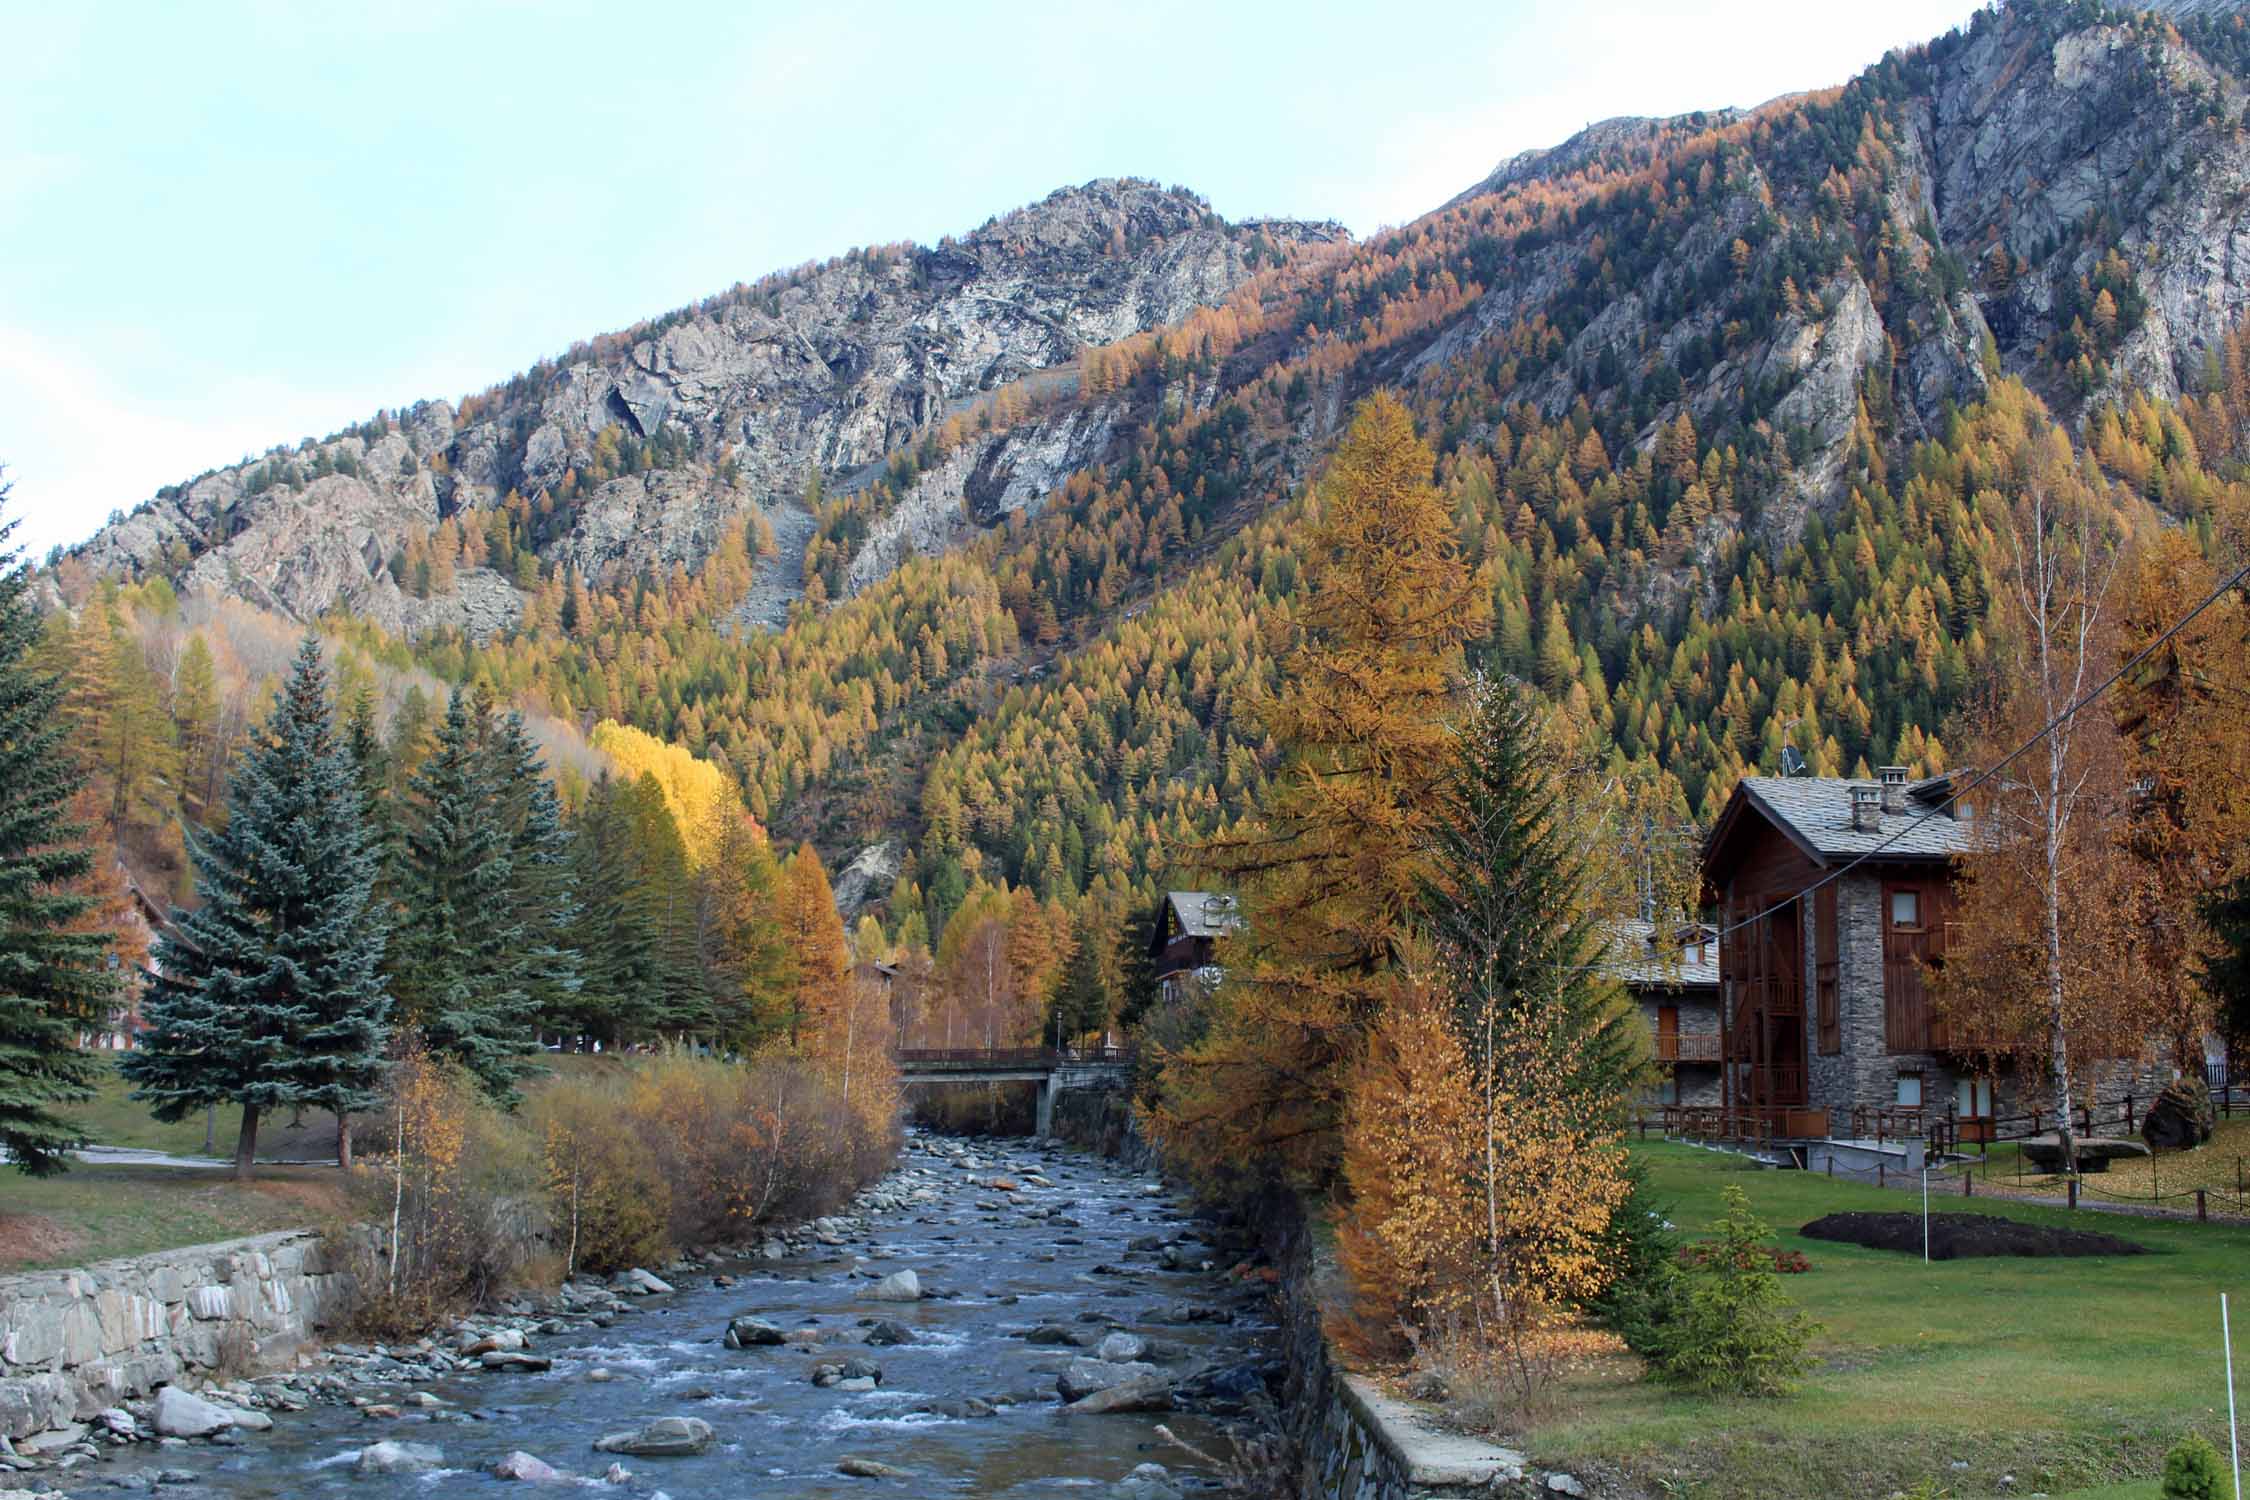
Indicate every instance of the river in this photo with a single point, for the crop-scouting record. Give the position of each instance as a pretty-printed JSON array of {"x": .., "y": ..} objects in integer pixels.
[{"x": 1078, "y": 1247}]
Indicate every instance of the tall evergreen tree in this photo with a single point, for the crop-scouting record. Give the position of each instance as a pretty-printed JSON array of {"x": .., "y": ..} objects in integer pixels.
[
  {"x": 543, "y": 883},
  {"x": 51, "y": 979},
  {"x": 461, "y": 972},
  {"x": 1509, "y": 899},
  {"x": 1081, "y": 999},
  {"x": 678, "y": 1002},
  {"x": 1136, "y": 963},
  {"x": 611, "y": 930},
  {"x": 270, "y": 994},
  {"x": 2226, "y": 970}
]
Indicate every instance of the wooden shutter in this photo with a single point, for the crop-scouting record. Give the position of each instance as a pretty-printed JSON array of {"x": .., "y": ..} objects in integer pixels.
[{"x": 1831, "y": 1032}]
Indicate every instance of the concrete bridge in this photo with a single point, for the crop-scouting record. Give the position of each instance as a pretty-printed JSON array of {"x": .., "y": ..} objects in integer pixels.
[{"x": 1052, "y": 1069}]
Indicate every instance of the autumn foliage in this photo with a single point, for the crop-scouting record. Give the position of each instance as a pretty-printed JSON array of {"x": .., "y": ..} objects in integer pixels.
[{"x": 1328, "y": 872}]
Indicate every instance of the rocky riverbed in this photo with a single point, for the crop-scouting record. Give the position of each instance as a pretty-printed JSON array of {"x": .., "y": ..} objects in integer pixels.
[{"x": 993, "y": 1318}]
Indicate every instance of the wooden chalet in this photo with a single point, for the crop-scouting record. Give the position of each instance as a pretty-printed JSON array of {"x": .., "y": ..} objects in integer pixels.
[
  {"x": 1185, "y": 941},
  {"x": 1825, "y": 1009}
]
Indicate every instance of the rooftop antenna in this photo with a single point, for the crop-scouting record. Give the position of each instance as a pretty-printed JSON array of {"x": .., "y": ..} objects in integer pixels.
[{"x": 1792, "y": 763}]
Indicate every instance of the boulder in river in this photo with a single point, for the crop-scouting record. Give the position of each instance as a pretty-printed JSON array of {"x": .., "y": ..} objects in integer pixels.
[
  {"x": 641, "y": 1283},
  {"x": 1146, "y": 1482},
  {"x": 1122, "y": 1348},
  {"x": 185, "y": 1415},
  {"x": 1144, "y": 1393},
  {"x": 515, "y": 1359},
  {"x": 884, "y": 1333},
  {"x": 1083, "y": 1377},
  {"x": 868, "y": 1468},
  {"x": 1055, "y": 1333},
  {"x": 522, "y": 1465},
  {"x": 399, "y": 1458},
  {"x": 499, "y": 1338},
  {"x": 899, "y": 1286},
  {"x": 666, "y": 1437},
  {"x": 753, "y": 1333}
]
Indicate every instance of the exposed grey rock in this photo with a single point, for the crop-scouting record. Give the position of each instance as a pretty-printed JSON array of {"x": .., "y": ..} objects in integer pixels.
[
  {"x": 868, "y": 1468},
  {"x": 515, "y": 1359},
  {"x": 666, "y": 1437},
  {"x": 1146, "y": 1482},
  {"x": 182, "y": 1414},
  {"x": 389, "y": 1457},
  {"x": 752, "y": 1333},
  {"x": 869, "y": 874},
  {"x": 1122, "y": 1348},
  {"x": 521, "y": 1465},
  {"x": 1144, "y": 1393},
  {"x": 1082, "y": 1377},
  {"x": 899, "y": 1286},
  {"x": 814, "y": 375}
]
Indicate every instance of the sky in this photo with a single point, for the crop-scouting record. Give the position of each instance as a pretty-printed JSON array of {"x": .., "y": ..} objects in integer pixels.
[{"x": 228, "y": 225}]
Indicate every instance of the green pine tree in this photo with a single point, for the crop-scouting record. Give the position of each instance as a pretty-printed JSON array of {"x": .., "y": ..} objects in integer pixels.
[
  {"x": 1510, "y": 902},
  {"x": 51, "y": 980},
  {"x": 460, "y": 970},
  {"x": 1136, "y": 965},
  {"x": 270, "y": 994},
  {"x": 610, "y": 930},
  {"x": 1081, "y": 1000},
  {"x": 543, "y": 883},
  {"x": 2226, "y": 972}
]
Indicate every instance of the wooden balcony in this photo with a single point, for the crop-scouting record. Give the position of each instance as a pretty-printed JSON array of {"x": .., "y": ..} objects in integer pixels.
[{"x": 1686, "y": 1047}]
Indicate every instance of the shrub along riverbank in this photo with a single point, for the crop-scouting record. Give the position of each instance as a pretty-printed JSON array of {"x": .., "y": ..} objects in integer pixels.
[{"x": 600, "y": 1170}]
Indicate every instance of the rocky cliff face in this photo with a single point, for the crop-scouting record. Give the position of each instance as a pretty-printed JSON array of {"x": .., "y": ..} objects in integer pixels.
[
  {"x": 646, "y": 446},
  {"x": 2054, "y": 191}
]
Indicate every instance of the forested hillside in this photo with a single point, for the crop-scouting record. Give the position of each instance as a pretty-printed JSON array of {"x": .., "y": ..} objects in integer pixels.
[{"x": 1722, "y": 407}]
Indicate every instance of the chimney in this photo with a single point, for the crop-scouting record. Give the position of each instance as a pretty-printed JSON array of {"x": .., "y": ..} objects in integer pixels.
[
  {"x": 1894, "y": 788},
  {"x": 1867, "y": 809}
]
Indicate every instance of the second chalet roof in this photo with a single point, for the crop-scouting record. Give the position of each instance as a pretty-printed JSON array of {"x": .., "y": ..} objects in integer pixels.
[
  {"x": 1816, "y": 814},
  {"x": 1636, "y": 957},
  {"x": 1204, "y": 914}
]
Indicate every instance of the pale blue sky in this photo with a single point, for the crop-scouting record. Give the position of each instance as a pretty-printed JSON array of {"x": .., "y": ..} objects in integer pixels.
[{"x": 233, "y": 224}]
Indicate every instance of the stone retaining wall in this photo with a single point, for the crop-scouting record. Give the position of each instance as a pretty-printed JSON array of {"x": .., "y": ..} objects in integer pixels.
[
  {"x": 75, "y": 1341},
  {"x": 1101, "y": 1120},
  {"x": 1352, "y": 1440}
]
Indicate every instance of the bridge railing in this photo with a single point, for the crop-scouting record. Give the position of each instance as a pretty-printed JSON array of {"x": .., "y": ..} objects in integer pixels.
[
  {"x": 1009, "y": 1057},
  {"x": 991, "y": 1057}
]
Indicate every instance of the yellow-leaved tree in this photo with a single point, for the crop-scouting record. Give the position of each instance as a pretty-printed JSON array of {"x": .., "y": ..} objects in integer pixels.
[
  {"x": 702, "y": 799},
  {"x": 1327, "y": 873}
]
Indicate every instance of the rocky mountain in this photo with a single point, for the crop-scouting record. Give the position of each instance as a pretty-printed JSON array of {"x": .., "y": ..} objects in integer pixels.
[
  {"x": 1700, "y": 390},
  {"x": 638, "y": 450}
]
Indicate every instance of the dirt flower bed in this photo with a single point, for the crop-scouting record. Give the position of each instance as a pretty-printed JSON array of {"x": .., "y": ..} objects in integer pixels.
[{"x": 1963, "y": 1236}]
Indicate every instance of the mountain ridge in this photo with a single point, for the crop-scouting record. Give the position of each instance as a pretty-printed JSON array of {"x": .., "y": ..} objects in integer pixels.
[{"x": 1698, "y": 391}]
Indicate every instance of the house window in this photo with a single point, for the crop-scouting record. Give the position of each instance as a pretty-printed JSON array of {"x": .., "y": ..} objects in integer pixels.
[
  {"x": 1668, "y": 1090},
  {"x": 1909, "y": 1091},
  {"x": 1972, "y": 1098},
  {"x": 1906, "y": 910}
]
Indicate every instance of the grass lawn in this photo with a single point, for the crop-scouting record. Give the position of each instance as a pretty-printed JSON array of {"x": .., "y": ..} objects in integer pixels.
[
  {"x": 98, "y": 1212},
  {"x": 2066, "y": 1374}
]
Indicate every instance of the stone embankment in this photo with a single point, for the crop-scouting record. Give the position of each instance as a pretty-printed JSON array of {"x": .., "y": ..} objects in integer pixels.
[
  {"x": 104, "y": 1356},
  {"x": 74, "y": 1343}
]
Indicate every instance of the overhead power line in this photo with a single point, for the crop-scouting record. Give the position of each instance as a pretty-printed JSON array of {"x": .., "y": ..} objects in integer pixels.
[{"x": 1956, "y": 794}]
